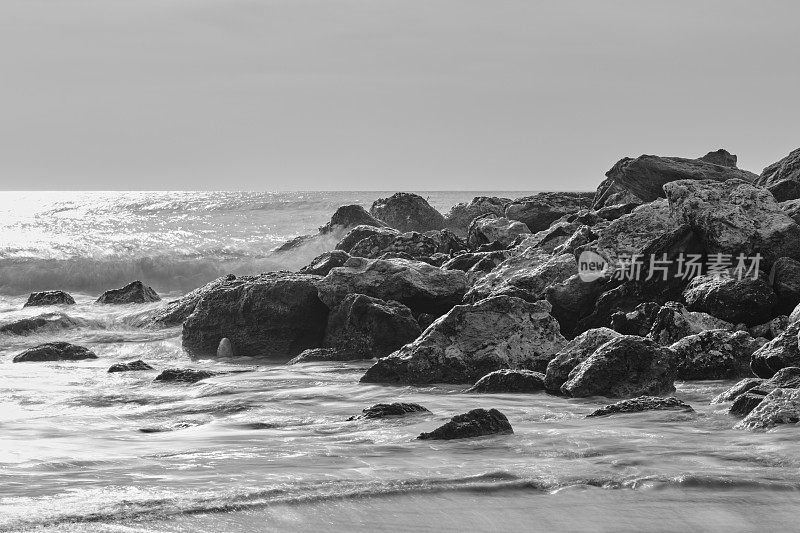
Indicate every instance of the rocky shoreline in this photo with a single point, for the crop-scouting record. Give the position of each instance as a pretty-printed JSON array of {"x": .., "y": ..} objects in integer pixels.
[{"x": 674, "y": 269}]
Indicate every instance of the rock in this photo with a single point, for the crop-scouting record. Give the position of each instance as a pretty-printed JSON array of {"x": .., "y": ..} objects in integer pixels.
[
  {"x": 792, "y": 209},
  {"x": 630, "y": 234},
  {"x": 795, "y": 316},
  {"x": 491, "y": 228},
  {"x": 615, "y": 211},
  {"x": 781, "y": 352},
  {"x": 537, "y": 212},
  {"x": 322, "y": 264},
  {"x": 640, "y": 404},
  {"x": 55, "y": 351},
  {"x": 359, "y": 233},
  {"x": 781, "y": 406},
  {"x": 574, "y": 353},
  {"x": 646, "y": 176},
  {"x": 407, "y": 212},
  {"x": 366, "y": 327},
  {"x": 461, "y": 215},
  {"x": 720, "y": 157},
  {"x": 472, "y": 340},
  {"x": 622, "y": 368},
  {"x": 745, "y": 403},
  {"x": 49, "y": 321},
  {"x": 736, "y": 218},
  {"x": 787, "y": 168},
  {"x": 737, "y": 390},
  {"x": 770, "y": 330},
  {"x": 476, "y": 263},
  {"x": 316, "y": 355},
  {"x": 715, "y": 354},
  {"x": 350, "y": 216},
  {"x": 411, "y": 244},
  {"x": 476, "y": 423},
  {"x": 389, "y": 410},
  {"x": 785, "y": 278},
  {"x": 130, "y": 366},
  {"x": 178, "y": 310},
  {"x": 673, "y": 322},
  {"x": 135, "y": 292},
  {"x": 510, "y": 381},
  {"x": 275, "y": 315},
  {"x": 638, "y": 322},
  {"x": 420, "y": 286},
  {"x": 609, "y": 193},
  {"x": 183, "y": 375},
  {"x": 572, "y": 298},
  {"x": 49, "y": 298},
  {"x": 747, "y": 300},
  {"x": 785, "y": 190},
  {"x": 225, "y": 348},
  {"x": 747, "y": 394}
]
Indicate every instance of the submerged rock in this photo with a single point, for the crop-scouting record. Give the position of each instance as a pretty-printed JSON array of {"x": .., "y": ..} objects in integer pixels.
[
  {"x": 715, "y": 354},
  {"x": 50, "y": 321},
  {"x": 55, "y": 351},
  {"x": 134, "y": 292},
  {"x": 510, "y": 381},
  {"x": 183, "y": 375},
  {"x": 407, "y": 212},
  {"x": 49, "y": 298},
  {"x": 781, "y": 406},
  {"x": 476, "y": 423},
  {"x": 749, "y": 301},
  {"x": 130, "y": 366},
  {"x": 390, "y": 410},
  {"x": 640, "y": 404}
]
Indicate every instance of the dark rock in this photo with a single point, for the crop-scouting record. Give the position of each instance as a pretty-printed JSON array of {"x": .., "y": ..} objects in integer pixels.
[
  {"x": 476, "y": 423},
  {"x": 537, "y": 212},
  {"x": 737, "y": 390},
  {"x": 349, "y": 216},
  {"x": 746, "y": 402},
  {"x": 637, "y": 322},
  {"x": 720, "y": 157},
  {"x": 490, "y": 228},
  {"x": 640, "y": 404},
  {"x": 781, "y": 406},
  {"x": 183, "y": 375},
  {"x": 770, "y": 330},
  {"x": 673, "y": 322},
  {"x": 130, "y": 366},
  {"x": 609, "y": 193},
  {"x": 715, "y": 354},
  {"x": 615, "y": 211},
  {"x": 476, "y": 262},
  {"x": 787, "y": 168},
  {"x": 785, "y": 190},
  {"x": 791, "y": 209},
  {"x": 390, "y": 410},
  {"x": 785, "y": 278},
  {"x": 572, "y": 299},
  {"x": 317, "y": 355},
  {"x": 179, "y": 310},
  {"x": 510, "y": 381},
  {"x": 781, "y": 352},
  {"x": 276, "y": 315},
  {"x": 407, "y": 212},
  {"x": 747, "y": 300},
  {"x": 322, "y": 264},
  {"x": 574, "y": 353},
  {"x": 49, "y": 298},
  {"x": 55, "y": 351},
  {"x": 135, "y": 292},
  {"x": 49, "y": 321},
  {"x": 359, "y": 233},
  {"x": 411, "y": 244},
  {"x": 461, "y": 215}
]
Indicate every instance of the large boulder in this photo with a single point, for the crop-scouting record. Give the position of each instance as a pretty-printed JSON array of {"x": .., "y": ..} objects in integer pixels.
[
  {"x": 734, "y": 217},
  {"x": 176, "y": 311},
  {"x": 574, "y": 353},
  {"x": 747, "y": 300},
  {"x": 647, "y": 175},
  {"x": 609, "y": 193},
  {"x": 510, "y": 381},
  {"x": 781, "y": 352},
  {"x": 572, "y": 299},
  {"x": 641, "y": 404},
  {"x": 630, "y": 234},
  {"x": 407, "y": 212},
  {"x": 364, "y": 327},
  {"x": 359, "y": 233},
  {"x": 349, "y": 216},
  {"x": 792, "y": 209},
  {"x": 420, "y": 286},
  {"x": 134, "y": 292},
  {"x": 785, "y": 190},
  {"x": 461, "y": 215},
  {"x": 55, "y": 351},
  {"x": 476, "y": 423},
  {"x": 786, "y": 284},
  {"x": 637, "y": 322},
  {"x": 472, "y": 340},
  {"x": 49, "y": 298},
  {"x": 715, "y": 354},
  {"x": 275, "y": 315},
  {"x": 781, "y": 406},
  {"x": 624, "y": 367},
  {"x": 537, "y": 212},
  {"x": 673, "y": 322},
  {"x": 787, "y": 168},
  {"x": 491, "y": 228}
]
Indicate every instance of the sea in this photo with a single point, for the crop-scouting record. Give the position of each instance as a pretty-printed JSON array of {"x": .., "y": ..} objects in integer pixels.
[{"x": 271, "y": 448}]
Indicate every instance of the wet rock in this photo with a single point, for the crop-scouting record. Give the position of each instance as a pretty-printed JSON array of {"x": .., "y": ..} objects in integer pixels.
[
  {"x": 747, "y": 394},
  {"x": 745, "y": 403},
  {"x": 55, "y": 351},
  {"x": 176, "y": 311},
  {"x": 366, "y": 327},
  {"x": 510, "y": 381},
  {"x": 322, "y": 264},
  {"x": 786, "y": 284},
  {"x": 737, "y": 390},
  {"x": 130, "y": 366},
  {"x": 640, "y": 404},
  {"x": 715, "y": 354},
  {"x": 781, "y": 406},
  {"x": 537, "y": 212},
  {"x": 476, "y": 423},
  {"x": 574, "y": 353},
  {"x": 49, "y": 321},
  {"x": 49, "y": 298},
  {"x": 749, "y": 301},
  {"x": 390, "y": 410},
  {"x": 622, "y": 368},
  {"x": 183, "y": 375},
  {"x": 787, "y": 168},
  {"x": 674, "y": 322},
  {"x": 491, "y": 228},
  {"x": 420, "y": 286},
  {"x": 781, "y": 352},
  {"x": 275, "y": 315},
  {"x": 134, "y": 292},
  {"x": 638, "y": 322},
  {"x": 461, "y": 215},
  {"x": 350, "y": 216},
  {"x": 407, "y": 212},
  {"x": 320, "y": 355},
  {"x": 473, "y": 340},
  {"x": 359, "y": 233}
]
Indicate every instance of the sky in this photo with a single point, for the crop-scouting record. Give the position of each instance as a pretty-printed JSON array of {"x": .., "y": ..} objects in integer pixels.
[{"x": 386, "y": 95}]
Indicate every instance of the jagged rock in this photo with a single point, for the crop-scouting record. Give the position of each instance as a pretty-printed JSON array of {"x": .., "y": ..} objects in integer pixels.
[
  {"x": 366, "y": 327},
  {"x": 510, "y": 381},
  {"x": 737, "y": 390},
  {"x": 795, "y": 316},
  {"x": 720, "y": 157},
  {"x": 646, "y": 176},
  {"x": 747, "y": 300},
  {"x": 624, "y": 367},
  {"x": 49, "y": 298},
  {"x": 715, "y": 354},
  {"x": 747, "y": 394},
  {"x": 50, "y": 321},
  {"x": 461, "y": 215},
  {"x": 630, "y": 234},
  {"x": 574, "y": 353},
  {"x": 359, "y": 233},
  {"x": 786, "y": 284},
  {"x": 322, "y": 264},
  {"x": 781, "y": 406},
  {"x": 615, "y": 211},
  {"x": 55, "y": 351},
  {"x": 476, "y": 423},
  {"x": 317, "y": 355},
  {"x": 550, "y": 239},
  {"x": 350, "y": 216},
  {"x": 183, "y": 375},
  {"x": 583, "y": 236},
  {"x": 609, "y": 193},
  {"x": 792, "y": 209},
  {"x": 638, "y": 322},
  {"x": 673, "y": 322},
  {"x": 420, "y": 286},
  {"x": 276, "y": 315},
  {"x": 389, "y": 410},
  {"x": 425, "y": 320},
  {"x": 130, "y": 366},
  {"x": 134, "y": 292},
  {"x": 781, "y": 352},
  {"x": 491, "y": 228},
  {"x": 785, "y": 190},
  {"x": 411, "y": 244},
  {"x": 476, "y": 262},
  {"x": 735, "y": 217},
  {"x": 537, "y": 212},
  {"x": 572, "y": 298},
  {"x": 472, "y": 340},
  {"x": 407, "y": 212},
  {"x": 787, "y": 168},
  {"x": 178, "y": 310},
  {"x": 640, "y": 404},
  {"x": 770, "y": 330}
]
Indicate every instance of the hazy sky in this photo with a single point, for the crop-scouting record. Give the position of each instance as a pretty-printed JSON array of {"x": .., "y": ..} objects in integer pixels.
[{"x": 386, "y": 95}]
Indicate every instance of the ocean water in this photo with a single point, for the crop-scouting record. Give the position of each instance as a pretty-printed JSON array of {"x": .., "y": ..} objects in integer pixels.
[{"x": 270, "y": 448}]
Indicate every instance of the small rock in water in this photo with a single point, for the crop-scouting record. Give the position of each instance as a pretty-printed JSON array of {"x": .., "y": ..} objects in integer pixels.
[
  {"x": 321, "y": 354},
  {"x": 135, "y": 292},
  {"x": 386, "y": 410},
  {"x": 510, "y": 381},
  {"x": 642, "y": 403},
  {"x": 225, "y": 348},
  {"x": 55, "y": 351},
  {"x": 476, "y": 423},
  {"x": 49, "y": 298},
  {"x": 184, "y": 375},
  {"x": 130, "y": 366}
]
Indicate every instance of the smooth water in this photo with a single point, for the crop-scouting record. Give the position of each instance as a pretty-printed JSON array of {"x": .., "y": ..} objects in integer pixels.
[{"x": 271, "y": 448}]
